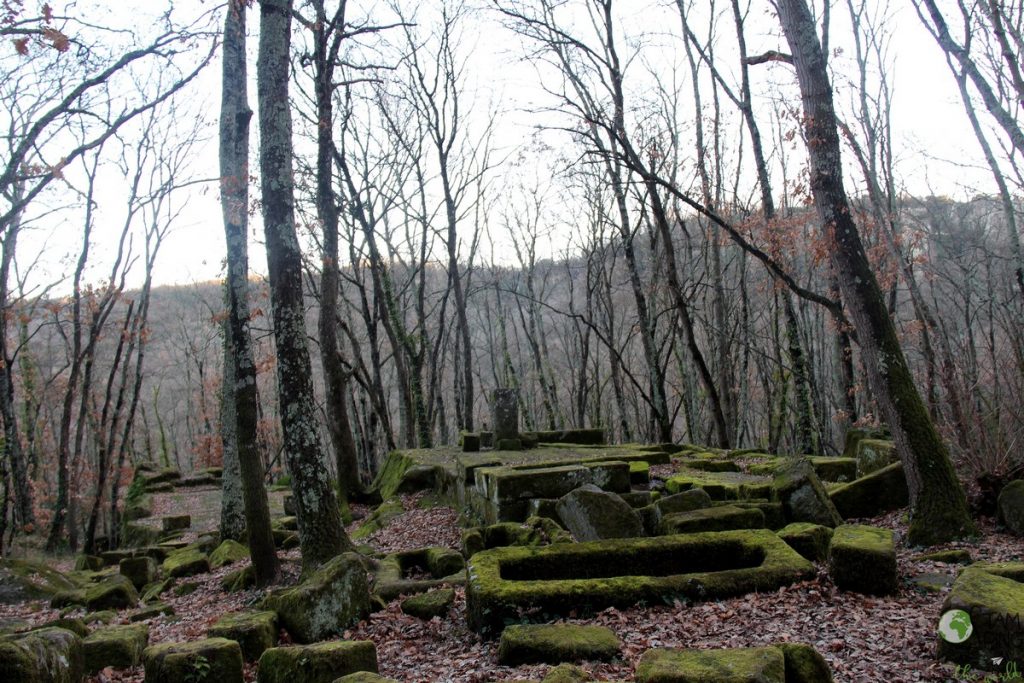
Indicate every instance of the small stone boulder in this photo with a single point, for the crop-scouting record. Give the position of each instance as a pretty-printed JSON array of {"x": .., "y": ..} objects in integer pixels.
[
  {"x": 873, "y": 455},
  {"x": 139, "y": 534},
  {"x": 874, "y": 494},
  {"x": 863, "y": 559},
  {"x": 212, "y": 659},
  {"x": 1011, "y": 507},
  {"x": 994, "y": 602},
  {"x": 803, "y": 496},
  {"x": 115, "y": 592},
  {"x": 21, "y": 580},
  {"x": 319, "y": 663},
  {"x": 567, "y": 673},
  {"x": 738, "y": 665},
  {"x": 88, "y": 563},
  {"x": 254, "y": 632},
  {"x": 228, "y": 552},
  {"x": 334, "y": 597},
  {"x": 48, "y": 655},
  {"x": 175, "y": 523},
  {"x": 719, "y": 518},
  {"x": 186, "y": 562},
  {"x": 139, "y": 570},
  {"x": 810, "y": 540},
  {"x": 428, "y": 605},
  {"x": 556, "y": 643},
  {"x": 239, "y": 579},
  {"x": 592, "y": 514},
  {"x": 119, "y": 647}
]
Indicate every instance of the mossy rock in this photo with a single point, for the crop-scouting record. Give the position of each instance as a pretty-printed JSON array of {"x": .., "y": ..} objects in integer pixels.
[
  {"x": 105, "y": 616},
  {"x": 834, "y": 469},
  {"x": 995, "y": 605},
  {"x": 154, "y": 590},
  {"x": 556, "y": 643},
  {"x": 239, "y": 579},
  {"x": 49, "y": 655},
  {"x": 288, "y": 523},
  {"x": 390, "y": 474},
  {"x": 874, "y": 454},
  {"x": 9, "y": 625},
  {"x": 719, "y": 518},
  {"x": 139, "y": 508},
  {"x": 157, "y": 609},
  {"x": 592, "y": 514},
  {"x": 874, "y": 494},
  {"x": 712, "y": 465},
  {"x": 186, "y": 588},
  {"x": 364, "y": 677},
  {"x": 810, "y": 540},
  {"x": 92, "y": 563},
  {"x": 1010, "y": 506},
  {"x": 212, "y": 659},
  {"x": 138, "y": 534},
  {"x": 428, "y": 605},
  {"x": 116, "y": 592},
  {"x": 141, "y": 571},
  {"x": 255, "y": 632},
  {"x": 567, "y": 673},
  {"x": 774, "y": 513},
  {"x": 379, "y": 518},
  {"x": 331, "y": 599},
  {"x": 444, "y": 562},
  {"x": 803, "y": 497},
  {"x": 470, "y": 442},
  {"x": 228, "y": 552},
  {"x": 863, "y": 559},
  {"x": 319, "y": 663},
  {"x": 720, "y": 485},
  {"x": 74, "y": 624},
  {"x": 738, "y": 665},
  {"x": 119, "y": 647},
  {"x": 639, "y": 473},
  {"x": 21, "y": 581},
  {"x": 804, "y": 664},
  {"x": 205, "y": 543},
  {"x": 286, "y": 540},
  {"x": 954, "y": 556},
  {"x": 186, "y": 562},
  {"x": 521, "y": 583}
]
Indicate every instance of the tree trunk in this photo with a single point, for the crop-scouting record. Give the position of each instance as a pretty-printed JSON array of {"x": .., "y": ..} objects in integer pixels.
[
  {"x": 232, "y": 502},
  {"x": 320, "y": 529},
  {"x": 239, "y": 367},
  {"x": 938, "y": 504}
]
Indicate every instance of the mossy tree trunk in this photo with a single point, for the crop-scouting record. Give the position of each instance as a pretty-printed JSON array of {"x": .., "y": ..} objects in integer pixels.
[
  {"x": 240, "y": 367},
  {"x": 938, "y": 504},
  {"x": 321, "y": 533}
]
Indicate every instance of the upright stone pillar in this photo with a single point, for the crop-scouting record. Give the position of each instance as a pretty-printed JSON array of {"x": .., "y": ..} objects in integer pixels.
[{"x": 506, "y": 414}]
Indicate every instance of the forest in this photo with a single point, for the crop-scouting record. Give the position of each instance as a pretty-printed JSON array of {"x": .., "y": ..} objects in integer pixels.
[{"x": 695, "y": 223}]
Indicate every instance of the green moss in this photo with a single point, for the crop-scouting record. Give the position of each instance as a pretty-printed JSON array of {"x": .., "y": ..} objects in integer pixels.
[
  {"x": 186, "y": 562},
  {"x": 517, "y": 583},
  {"x": 810, "y": 540},
  {"x": 874, "y": 454},
  {"x": 443, "y": 562},
  {"x": 719, "y": 518},
  {"x": 390, "y": 474},
  {"x": 319, "y": 663},
  {"x": 212, "y": 659},
  {"x": 863, "y": 559},
  {"x": 428, "y": 605},
  {"x": 364, "y": 677},
  {"x": 119, "y": 647},
  {"x": 874, "y": 494},
  {"x": 996, "y": 607},
  {"x": 567, "y": 673},
  {"x": 804, "y": 664},
  {"x": 153, "y": 611},
  {"x": 239, "y": 579},
  {"x": 139, "y": 534},
  {"x": 739, "y": 665},
  {"x": 720, "y": 485},
  {"x": 50, "y": 655},
  {"x": 73, "y": 624},
  {"x": 834, "y": 469},
  {"x": 228, "y": 552},
  {"x": 253, "y": 631},
  {"x": 116, "y": 592},
  {"x": 954, "y": 556},
  {"x": 379, "y": 518},
  {"x": 139, "y": 570},
  {"x": 555, "y": 643},
  {"x": 21, "y": 580}
]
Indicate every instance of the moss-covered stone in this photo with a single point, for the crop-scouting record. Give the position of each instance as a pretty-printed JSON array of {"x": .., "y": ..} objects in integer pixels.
[
  {"x": 119, "y": 647},
  {"x": 1010, "y": 507},
  {"x": 810, "y": 540},
  {"x": 555, "y": 643},
  {"x": 49, "y": 655},
  {"x": 721, "y": 485},
  {"x": 319, "y": 663},
  {"x": 364, "y": 677},
  {"x": 379, "y": 518},
  {"x": 21, "y": 580},
  {"x": 331, "y": 599},
  {"x": 139, "y": 534},
  {"x": 92, "y": 563},
  {"x": 592, "y": 514},
  {"x": 521, "y": 583},
  {"x": 212, "y": 659},
  {"x": 803, "y": 497},
  {"x": 873, "y": 494},
  {"x": 139, "y": 570},
  {"x": 567, "y": 673},
  {"x": 719, "y": 518},
  {"x": 428, "y": 605},
  {"x": 288, "y": 523},
  {"x": 873, "y": 455},
  {"x": 157, "y": 609},
  {"x": 639, "y": 473},
  {"x": 739, "y": 665},
  {"x": 239, "y": 579},
  {"x": 253, "y": 631},
  {"x": 470, "y": 442},
  {"x": 175, "y": 523},
  {"x": 953, "y": 556},
  {"x": 116, "y": 592},
  {"x": 9, "y": 625},
  {"x": 996, "y": 608},
  {"x": 863, "y": 559},
  {"x": 804, "y": 664},
  {"x": 442, "y": 562},
  {"x": 508, "y": 445},
  {"x": 186, "y": 562},
  {"x": 154, "y": 590},
  {"x": 186, "y": 588},
  {"x": 286, "y": 540},
  {"x": 74, "y": 624},
  {"x": 228, "y": 552},
  {"x": 138, "y": 508}
]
